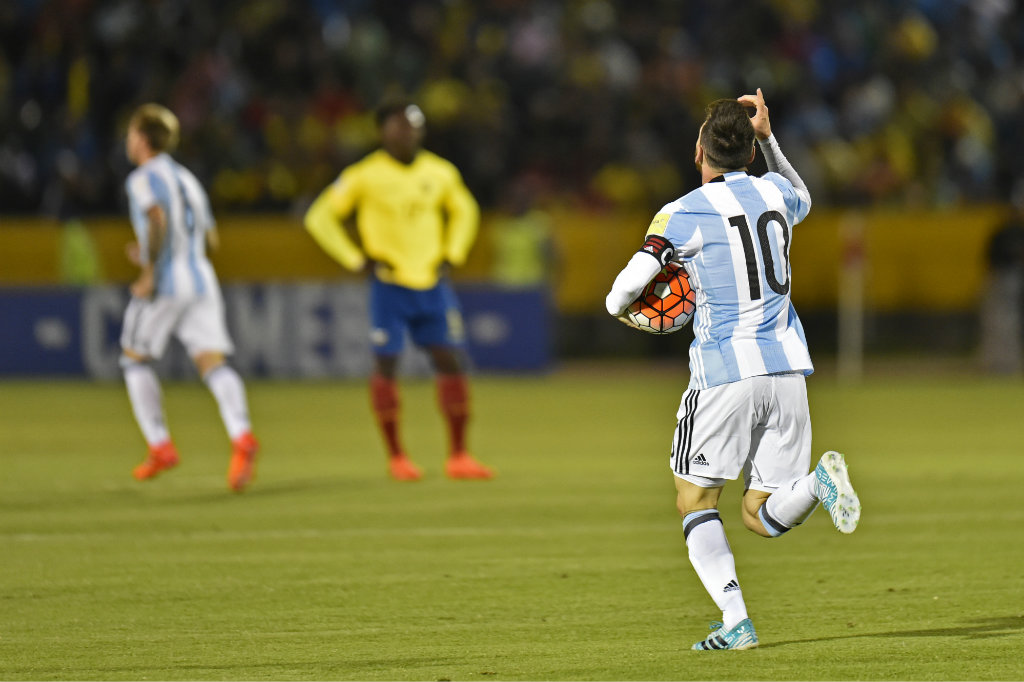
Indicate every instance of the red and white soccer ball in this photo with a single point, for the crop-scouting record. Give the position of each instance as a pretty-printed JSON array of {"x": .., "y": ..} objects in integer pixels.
[{"x": 666, "y": 304}]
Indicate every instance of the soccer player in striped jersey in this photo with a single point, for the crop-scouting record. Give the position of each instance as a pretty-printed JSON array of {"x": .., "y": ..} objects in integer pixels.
[
  {"x": 745, "y": 410},
  {"x": 176, "y": 293},
  {"x": 415, "y": 218}
]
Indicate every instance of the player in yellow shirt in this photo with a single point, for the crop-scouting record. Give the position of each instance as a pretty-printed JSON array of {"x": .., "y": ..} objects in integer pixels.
[{"x": 414, "y": 218}]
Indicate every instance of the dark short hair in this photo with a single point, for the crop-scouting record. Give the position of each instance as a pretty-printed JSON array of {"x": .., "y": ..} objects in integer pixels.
[
  {"x": 157, "y": 125},
  {"x": 728, "y": 135},
  {"x": 390, "y": 107}
]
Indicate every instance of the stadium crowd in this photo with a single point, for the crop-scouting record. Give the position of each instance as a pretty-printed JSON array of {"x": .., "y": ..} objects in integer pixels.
[{"x": 589, "y": 101}]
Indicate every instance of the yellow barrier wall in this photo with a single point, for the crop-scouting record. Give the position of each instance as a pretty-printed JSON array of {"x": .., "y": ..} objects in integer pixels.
[{"x": 930, "y": 260}]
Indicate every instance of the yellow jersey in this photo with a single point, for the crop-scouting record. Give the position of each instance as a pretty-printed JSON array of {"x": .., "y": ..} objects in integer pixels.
[{"x": 411, "y": 218}]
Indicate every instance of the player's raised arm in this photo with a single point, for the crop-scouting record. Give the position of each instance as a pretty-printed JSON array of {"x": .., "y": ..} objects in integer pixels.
[
  {"x": 324, "y": 219},
  {"x": 760, "y": 121},
  {"x": 463, "y": 222},
  {"x": 773, "y": 156}
]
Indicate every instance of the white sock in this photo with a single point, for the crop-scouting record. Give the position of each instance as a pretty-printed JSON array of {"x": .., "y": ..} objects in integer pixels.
[
  {"x": 229, "y": 391},
  {"x": 789, "y": 506},
  {"x": 147, "y": 401},
  {"x": 712, "y": 559}
]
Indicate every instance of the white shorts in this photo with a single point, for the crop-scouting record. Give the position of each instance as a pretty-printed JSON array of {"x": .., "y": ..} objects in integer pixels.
[
  {"x": 760, "y": 426},
  {"x": 197, "y": 322}
]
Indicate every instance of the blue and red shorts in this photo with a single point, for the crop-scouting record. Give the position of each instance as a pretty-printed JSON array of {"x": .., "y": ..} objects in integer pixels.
[{"x": 432, "y": 317}]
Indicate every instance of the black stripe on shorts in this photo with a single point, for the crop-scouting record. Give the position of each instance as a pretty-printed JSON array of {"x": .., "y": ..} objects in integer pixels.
[{"x": 685, "y": 432}]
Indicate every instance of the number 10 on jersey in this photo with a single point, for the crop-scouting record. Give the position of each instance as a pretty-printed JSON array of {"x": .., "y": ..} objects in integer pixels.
[{"x": 753, "y": 275}]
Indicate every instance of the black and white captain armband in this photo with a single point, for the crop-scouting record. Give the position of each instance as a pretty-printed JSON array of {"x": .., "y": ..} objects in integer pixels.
[{"x": 659, "y": 247}]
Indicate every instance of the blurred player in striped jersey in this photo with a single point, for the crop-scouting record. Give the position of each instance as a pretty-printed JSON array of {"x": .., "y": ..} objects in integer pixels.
[
  {"x": 176, "y": 293},
  {"x": 745, "y": 410},
  {"x": 415, "y": 218}
]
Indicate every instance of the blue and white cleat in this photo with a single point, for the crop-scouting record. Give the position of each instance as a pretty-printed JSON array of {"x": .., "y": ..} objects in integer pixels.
[
  {"x": 740, "y": 637},
  {"x": 833, "y": 487}
]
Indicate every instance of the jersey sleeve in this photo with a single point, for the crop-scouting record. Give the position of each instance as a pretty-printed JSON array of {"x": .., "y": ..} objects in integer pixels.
[
  {"x": 463, "y": 219},
  {"x": 140, "y": 192},
  {"x": 628, "y": 284},
  {"x": 201, "y": 203},
  {"x": 210, "y": 221},
  {"x": 656, "y": 252},
  {"x": 145, "y": 190},
  {"x": 324, "y": 219},
  {"x": 798, "y": 200},
  {"x": 680, "y": 228},
  {"x": 343, "y": 194},
  {"x": 135, "y": 214}
]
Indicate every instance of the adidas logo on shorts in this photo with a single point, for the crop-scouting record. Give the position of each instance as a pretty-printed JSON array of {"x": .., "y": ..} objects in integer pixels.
[{"x": 699, "y": 459}]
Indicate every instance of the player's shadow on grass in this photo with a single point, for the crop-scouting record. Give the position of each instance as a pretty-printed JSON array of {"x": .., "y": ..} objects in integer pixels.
[
  {"x": 236, "y": 670},
  {"x": 978, "y": 628},
  {"x": 298, "y": 485},
  {"x": 269, "y": 489},
  {"x": 205, "y": 493}
]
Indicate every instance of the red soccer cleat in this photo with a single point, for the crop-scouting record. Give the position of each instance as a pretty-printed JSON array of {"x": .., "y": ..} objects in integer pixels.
[
  {"x": 161, "y": 457},
  {"x": 401, "y": 468},
  {"x": 243, "y": 460},
  {"x": 462, "y": 466}
]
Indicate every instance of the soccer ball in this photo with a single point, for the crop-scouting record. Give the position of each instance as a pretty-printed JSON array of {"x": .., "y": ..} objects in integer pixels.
[{"x": 666, "y": 304}]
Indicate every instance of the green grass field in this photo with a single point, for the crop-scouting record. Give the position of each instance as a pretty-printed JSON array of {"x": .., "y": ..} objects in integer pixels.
[{"x": 570, "y": 565}]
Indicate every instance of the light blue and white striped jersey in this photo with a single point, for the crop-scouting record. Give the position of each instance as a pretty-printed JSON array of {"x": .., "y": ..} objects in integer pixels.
[
  {"x": 733, "y": 235},
  {"x": 182, "y": 268}
]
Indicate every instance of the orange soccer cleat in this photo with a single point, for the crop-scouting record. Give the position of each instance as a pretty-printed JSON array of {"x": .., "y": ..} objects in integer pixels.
[
  {"x": 161, "y": 457},
  {"x": 462, "y": 466},
  {"x": 243, "y": 461},
  {"x": 401, "y": 468}
]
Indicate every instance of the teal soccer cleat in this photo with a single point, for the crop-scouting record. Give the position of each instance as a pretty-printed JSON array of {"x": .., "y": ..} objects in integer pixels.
[
  {"x": 833, "y": 487},
  {"x": 740, "y": 637}
]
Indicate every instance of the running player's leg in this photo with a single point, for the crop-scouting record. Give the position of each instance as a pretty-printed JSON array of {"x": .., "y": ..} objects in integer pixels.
[
  {"x": 780, "y": 494},
  {"x": 203, "y": 332},
  {"x": 388, "y": 305},
  {"x": 228, "y": 390},
  {"x": 713, "y": 561},
  {"x": 147, "y": 327},
  {"x": 770, "y": 514},
  {"x": 709, "y": 447}
]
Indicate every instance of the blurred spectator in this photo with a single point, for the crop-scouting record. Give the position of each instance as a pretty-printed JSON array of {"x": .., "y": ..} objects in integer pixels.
[
  {"x": 80, "y": 262},
  {"x": 896, "y": 101},
  {"x": 1002, "y": 310},
  {"x": 523, "y": 248}
]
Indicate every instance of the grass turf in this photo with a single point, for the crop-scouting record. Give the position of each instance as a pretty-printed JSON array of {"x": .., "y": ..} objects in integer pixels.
[{"x": 570, "y": 565}]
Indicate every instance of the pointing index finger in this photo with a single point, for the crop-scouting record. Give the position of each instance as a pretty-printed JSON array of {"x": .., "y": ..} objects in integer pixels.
[{"x": 753, "y": 100}]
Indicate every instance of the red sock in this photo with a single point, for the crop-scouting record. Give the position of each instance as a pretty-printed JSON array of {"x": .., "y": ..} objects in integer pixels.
[
  {"x": 384, "y": 400},
  {"x": 453, "y": 395}
]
